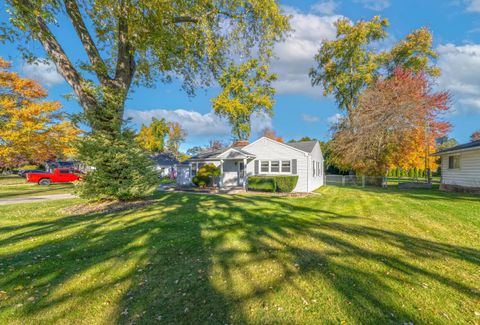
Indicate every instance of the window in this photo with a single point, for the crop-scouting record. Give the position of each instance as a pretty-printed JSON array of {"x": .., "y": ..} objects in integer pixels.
[
  {"x": 275, "y": 166},
  {"x": 264, "y": 167},
  {"x": 286, "y": 166},
  {"x": 454, "y": 162},
  {"x": 194, "y": 169}
]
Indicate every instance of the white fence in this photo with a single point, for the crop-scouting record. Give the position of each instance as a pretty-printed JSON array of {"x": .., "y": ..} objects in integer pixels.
[{"x": 353, "y": 180}]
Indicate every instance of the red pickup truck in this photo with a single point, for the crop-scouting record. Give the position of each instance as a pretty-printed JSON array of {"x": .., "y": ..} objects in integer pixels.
[{"x": 59, "y": 175}]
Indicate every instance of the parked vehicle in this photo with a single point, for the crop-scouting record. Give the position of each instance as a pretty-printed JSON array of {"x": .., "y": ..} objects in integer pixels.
[
  {"x": 24, "y": 172},
  {"x": 59, "y": 175}
]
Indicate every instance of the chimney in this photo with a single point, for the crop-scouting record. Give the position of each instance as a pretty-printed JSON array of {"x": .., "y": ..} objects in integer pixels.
[{"x": 240, "y": 143}]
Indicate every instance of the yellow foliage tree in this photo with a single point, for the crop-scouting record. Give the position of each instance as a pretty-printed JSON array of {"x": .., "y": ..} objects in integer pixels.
[{"x": 32, "y": 130}]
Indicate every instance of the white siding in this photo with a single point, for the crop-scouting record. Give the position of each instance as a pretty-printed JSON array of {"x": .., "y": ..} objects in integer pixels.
[
  {"x": 469, "y": 172},
  {"x": 316, "y": 181},
  {"x": 266, "y": 149}
]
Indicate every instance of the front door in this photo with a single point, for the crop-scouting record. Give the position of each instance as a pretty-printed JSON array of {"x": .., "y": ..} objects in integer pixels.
[{"x": 241, "y": 173}]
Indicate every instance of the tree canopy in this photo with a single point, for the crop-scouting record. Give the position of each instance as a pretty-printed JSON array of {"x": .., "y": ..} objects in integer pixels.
[
  {"x": 32, "y": 129},
  {"x": 141, "y": 41},
  {"x": 351, "y": 62},
  {"x": 395, "y": 125},
  {"x": 246, "y": 89}
]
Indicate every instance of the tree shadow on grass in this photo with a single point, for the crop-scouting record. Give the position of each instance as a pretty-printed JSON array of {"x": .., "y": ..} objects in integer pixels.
[{"x": 218, "y": 259}]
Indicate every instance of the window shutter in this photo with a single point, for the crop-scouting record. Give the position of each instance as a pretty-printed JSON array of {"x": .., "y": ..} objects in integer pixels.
[
  {"x": 294, "y": 166},
  {"x": 256, "y": 167}
]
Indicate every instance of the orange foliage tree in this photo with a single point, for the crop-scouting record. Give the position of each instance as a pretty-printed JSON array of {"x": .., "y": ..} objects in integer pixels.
[
  {"x": 271, "y": 134},
  {"x": 475, "y": 136},
  {"x": 395, "y": 125},
  {"x": 32, "y": 130}
]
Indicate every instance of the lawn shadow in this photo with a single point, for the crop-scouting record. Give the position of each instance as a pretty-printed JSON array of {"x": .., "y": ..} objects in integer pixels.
[{"x": 183, "y": 259}]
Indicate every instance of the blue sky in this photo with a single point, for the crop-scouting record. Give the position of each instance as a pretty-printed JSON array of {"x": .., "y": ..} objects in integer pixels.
[{"x": 301, "y": 110}]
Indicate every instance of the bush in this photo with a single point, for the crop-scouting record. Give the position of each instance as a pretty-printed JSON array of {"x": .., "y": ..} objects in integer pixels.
[
  {"x": 122, "y": 170},
  {"x": 283, "y": 184},
  {"x": 261, "y": 183},
  {"x": 205, "y": 175}
]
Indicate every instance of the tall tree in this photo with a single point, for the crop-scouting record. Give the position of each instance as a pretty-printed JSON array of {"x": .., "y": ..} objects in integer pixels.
[
  {"x": 395, "y": 124},
  {"x": 32, "y": 129},
  {"x": 139, "y": 42},
  {"x": 246, "y": 89},
  {"x": 475, "y": 136},
  {"x": 176, "y": 135},
  {"x": 350, "y": 62},
  {"x": 152, "y": 137}
]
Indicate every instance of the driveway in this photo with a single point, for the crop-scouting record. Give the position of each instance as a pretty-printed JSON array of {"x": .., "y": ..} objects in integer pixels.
[{"x": 39, "y": 198}]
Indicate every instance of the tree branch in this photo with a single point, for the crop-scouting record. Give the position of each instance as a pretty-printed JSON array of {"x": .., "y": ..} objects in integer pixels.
[
  {"x": 58, "y": 55},
  {"x": 98, "y": 64}
]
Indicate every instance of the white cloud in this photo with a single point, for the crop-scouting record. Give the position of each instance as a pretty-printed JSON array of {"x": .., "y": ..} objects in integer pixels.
[
  {"x": 377, "y": 5},
  {"x": 296, "y": 54},
  {"x": 195, "y": 123},
  {"x": 473, "y": 5},
  {"x": 334, "y": 119},
  {"x": 460, "y": 67},
  {"x": 327, "y": 7},
  {"x": 44, "y": 72},
  {"x": 310, "y": 118}
]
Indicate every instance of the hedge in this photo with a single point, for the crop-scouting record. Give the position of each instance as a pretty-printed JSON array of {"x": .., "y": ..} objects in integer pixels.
[{"x": 284, "y": 184}]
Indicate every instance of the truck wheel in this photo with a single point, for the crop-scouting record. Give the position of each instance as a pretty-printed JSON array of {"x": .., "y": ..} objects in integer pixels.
[{"x": 45, "y": 181}]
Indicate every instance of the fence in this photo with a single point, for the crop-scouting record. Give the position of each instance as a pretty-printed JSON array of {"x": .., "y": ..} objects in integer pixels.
[{"x": 375, "y": 181}]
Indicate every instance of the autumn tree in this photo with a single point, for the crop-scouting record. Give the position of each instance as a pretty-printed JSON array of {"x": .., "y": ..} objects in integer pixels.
[
  {"x": 271, "y": 134},
  {"x": 161, "y": 136},
  {"x": 213, "y": 145},
  {"x": 152, "y": 137},
  {"x": 395, "y": 124},
  {"x": 246, "y": 90},
  {"x": 32, "y": 129},
  {"x": 475, "y": 136},
  {"x": 139, "y": 42},
  {"x": 176, "y": 135},
  {"x": 348, "y": 64}
]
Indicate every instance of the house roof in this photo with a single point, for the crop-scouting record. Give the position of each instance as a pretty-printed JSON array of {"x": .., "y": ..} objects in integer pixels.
[
  {"x": 461, "y": 147},
  {"x": 306, "y": 146},
  {"x": 227, "y": 153},
  {"x": 165, "y": 159}
]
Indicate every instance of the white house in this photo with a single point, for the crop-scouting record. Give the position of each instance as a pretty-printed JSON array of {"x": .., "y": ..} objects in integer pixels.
[
  {"x": 461, "y": 167},
  {"x": 266, "y": 157}
]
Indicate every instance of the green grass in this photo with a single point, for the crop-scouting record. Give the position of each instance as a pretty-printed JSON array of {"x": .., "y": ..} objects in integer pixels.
[
  {"x": 11, "y": 180},
  {"x": 12, "y": 191},
  {"x": 347, "y": 255}
]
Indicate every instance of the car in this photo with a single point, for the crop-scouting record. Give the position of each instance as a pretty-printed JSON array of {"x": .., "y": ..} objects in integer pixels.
[
  {"x": 59, "y": 175},
  {"x": 23, "y": 172}
]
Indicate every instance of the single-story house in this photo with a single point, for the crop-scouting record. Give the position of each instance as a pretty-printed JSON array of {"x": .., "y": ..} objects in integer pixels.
[
  {"x": 265, "y": 157},
  {"x": 461, "y": 167},
  {"x": 165, "y": 164}
]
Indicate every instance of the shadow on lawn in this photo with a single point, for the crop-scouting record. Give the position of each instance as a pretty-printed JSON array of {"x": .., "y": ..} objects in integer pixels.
[{"x": 180, "y": 262}]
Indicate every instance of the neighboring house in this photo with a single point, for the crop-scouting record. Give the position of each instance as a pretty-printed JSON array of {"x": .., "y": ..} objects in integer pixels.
[
  {"x": 165, "y": 163},
  {"x": 461, "y": 167},
  {"x": 266, "y": 157}
]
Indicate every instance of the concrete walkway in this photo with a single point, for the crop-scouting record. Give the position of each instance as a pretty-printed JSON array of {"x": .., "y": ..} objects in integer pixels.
[{"x": 39, "y": 198}]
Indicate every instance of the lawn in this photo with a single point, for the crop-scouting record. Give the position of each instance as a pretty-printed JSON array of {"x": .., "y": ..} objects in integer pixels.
[
  {"x": 12, "y": 180},
  {"x": 346, "y": 255},
  {"x": 11, "y": 191}
]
